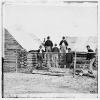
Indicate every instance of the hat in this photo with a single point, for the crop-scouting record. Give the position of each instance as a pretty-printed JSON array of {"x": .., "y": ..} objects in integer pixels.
[
  {"x": 69, "y": 48},
  {"x": 55, "y": 44},
  {"x": 48, "y": 37},
  {"x": 63, "y": 37},
  {"x": 87, "y": 46},
  {"x": 40, "y": 46}
]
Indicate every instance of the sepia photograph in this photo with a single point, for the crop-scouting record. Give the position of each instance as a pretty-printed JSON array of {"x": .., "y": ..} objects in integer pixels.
[{"x": 49, "y": 49}]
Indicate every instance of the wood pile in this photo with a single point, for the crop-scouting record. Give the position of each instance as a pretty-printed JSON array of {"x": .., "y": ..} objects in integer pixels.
[
  {"x": 22, "y": 59},
  {"x": 31, "y": 59}
]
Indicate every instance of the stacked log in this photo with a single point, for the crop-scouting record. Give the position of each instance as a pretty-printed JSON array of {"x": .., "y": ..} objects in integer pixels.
[
  {"x": 31, "y": 59},
  {"x": 35, "y": 60},
  {"x": 22, "y": 58}
]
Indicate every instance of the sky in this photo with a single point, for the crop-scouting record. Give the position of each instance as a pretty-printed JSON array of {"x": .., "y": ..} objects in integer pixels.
[{"x": 54, "y": 20}]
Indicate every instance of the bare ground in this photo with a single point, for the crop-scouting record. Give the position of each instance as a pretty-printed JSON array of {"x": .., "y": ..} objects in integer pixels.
[{"x": 16, "y": 84}]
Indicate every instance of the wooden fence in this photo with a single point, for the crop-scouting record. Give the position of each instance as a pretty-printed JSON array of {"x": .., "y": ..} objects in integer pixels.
[{"x": 22, "y": 61}]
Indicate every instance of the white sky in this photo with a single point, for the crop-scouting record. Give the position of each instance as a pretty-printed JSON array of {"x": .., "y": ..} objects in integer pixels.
[{"x": 51, "y": 20}]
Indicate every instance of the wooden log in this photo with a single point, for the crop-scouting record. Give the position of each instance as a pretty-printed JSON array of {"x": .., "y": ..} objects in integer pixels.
[
  {"x": 8, "y": 69},
  {"x": 10, "y": 64},
  {"x": 29, "y": 63},
  {"x": 9, "y": 60},
  {"x": 47, "y": 73},
  {"x": 29, "y": 55}
]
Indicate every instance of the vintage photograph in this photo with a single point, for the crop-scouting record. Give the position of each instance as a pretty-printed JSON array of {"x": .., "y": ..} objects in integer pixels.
[{"x": 50, "y": 49}]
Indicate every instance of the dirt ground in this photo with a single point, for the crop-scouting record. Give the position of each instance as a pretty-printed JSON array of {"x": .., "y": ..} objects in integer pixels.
[{"x": 17, "y": 84}]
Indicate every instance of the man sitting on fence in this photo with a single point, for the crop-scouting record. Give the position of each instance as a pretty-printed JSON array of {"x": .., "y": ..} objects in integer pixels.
[
  {"x": 63, "y": 45},
  {"x": 55, "y": 51},
  {"x": 48, "y": 46},
  {"x": 40, "y": 56},
  {"x": 91, "y": 57},
  {"x": 69, "y": 58}
]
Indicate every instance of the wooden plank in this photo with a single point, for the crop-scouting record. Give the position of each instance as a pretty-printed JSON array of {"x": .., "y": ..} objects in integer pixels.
[
  {"x": 75, "y": 64},
  {"x": 8, "y": 69},
  {"x": 9, "y": 64},
  {"x": 9, "y": 60},
  {"x": 47, "y": 73}
]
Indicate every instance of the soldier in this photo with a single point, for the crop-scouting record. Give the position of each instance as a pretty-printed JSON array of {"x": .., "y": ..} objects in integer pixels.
[
  {"x": 40, "y": 56},
  {"x": 63, "y": 45},
  {"x": 69, "y": 58},
  {"x": 55, "y": 51},
  {"x": 48, "y": 44},
  {"x": 91, "y": 57},
  {"x": 48, "y": 47}
]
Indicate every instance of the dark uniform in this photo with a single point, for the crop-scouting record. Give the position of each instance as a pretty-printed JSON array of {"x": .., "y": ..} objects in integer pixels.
[
  {"x": 69, "y": 59},
  {"x": 40, "y": 56},
  {"x": 90, "y": 55},
  {"x": 55, "y": 56},
  {"x": 48, "y": 45}
]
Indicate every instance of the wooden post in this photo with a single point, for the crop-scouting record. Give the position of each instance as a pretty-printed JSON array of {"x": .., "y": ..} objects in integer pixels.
[
  {"x": 16, "y": 61},
  {"x": 74, "y": 64}
]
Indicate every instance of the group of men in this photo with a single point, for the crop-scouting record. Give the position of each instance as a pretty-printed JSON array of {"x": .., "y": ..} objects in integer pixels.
[
  {"x": 52, "y": 53},
  {"x": 49, "y": 50},
  {"x": 49, "y": 45}
]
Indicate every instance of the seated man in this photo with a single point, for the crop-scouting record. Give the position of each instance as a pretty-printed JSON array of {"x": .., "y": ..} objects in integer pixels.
[
  {"x": 40, "y": 56},
  {"x": 91, "y": 57},
  {"x": 69, "y": 58}
]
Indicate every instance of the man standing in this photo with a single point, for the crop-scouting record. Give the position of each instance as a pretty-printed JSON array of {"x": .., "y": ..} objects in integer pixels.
[
  {"x": 40, "y": 56},
  {"x": 48, "y": 46},
  {"x": 69, "y": 58},
  {"x": 55, "y": 51},
  {"x": 91, "y": 57},
  {"x": 63, "y": 45}
]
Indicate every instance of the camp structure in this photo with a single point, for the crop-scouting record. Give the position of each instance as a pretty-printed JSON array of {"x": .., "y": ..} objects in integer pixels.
[
  {"x": 80, "y": 43},
  {"x": 17, "y": 44},
  {"x": 15, "y": 47},
  {"x": 10, "y": 48}
]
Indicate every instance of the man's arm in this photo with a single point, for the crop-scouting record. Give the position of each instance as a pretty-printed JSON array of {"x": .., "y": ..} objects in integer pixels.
[
  {"x": 45, "y": 43},
  {"x": 60, "y": 43},
  {"x": 66, "y": 43},
  {"x": 51, "y": 44},
  {"x": 43, "y": 52},
  {"x": 71, "y": 57},
  {"x": 38, "y": 53}
]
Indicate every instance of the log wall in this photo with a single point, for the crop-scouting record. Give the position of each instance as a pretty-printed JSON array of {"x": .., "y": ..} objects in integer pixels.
[{"x": 11, "y": 47}]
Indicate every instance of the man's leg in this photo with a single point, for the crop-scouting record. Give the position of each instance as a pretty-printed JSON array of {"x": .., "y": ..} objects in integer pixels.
[
  {"x": 91, "y": 65},
  {"x": 53, "y": 60},
  {"x": 56, "y": 60},
  {"x": 48, "y": 57},
  {"x": 64, "y": 55}
]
